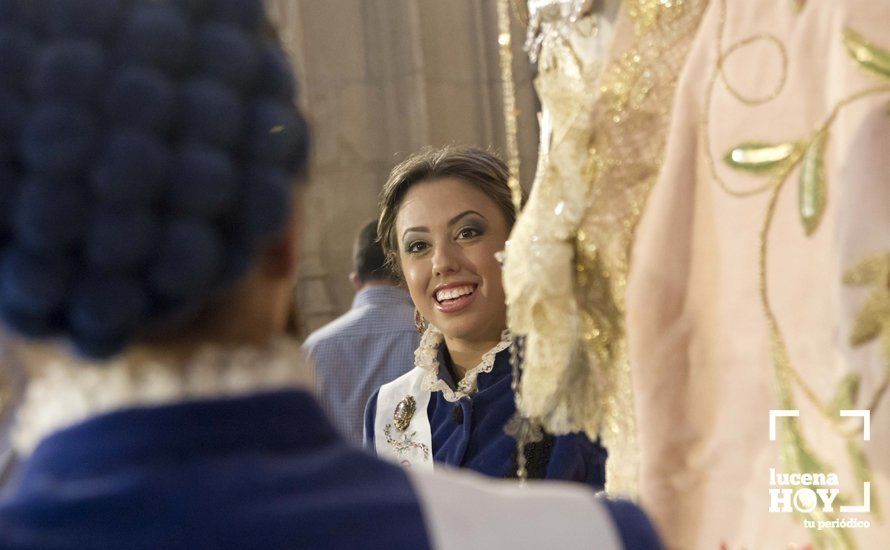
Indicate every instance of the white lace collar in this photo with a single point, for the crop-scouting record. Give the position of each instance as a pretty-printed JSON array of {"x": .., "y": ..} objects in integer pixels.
[
  {"x": 64, "y": 391},
  {"x": 427, "y": 357}
]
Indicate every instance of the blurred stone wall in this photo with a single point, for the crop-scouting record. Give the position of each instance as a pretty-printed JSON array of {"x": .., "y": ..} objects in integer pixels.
[{"x": 381, "y": 79}]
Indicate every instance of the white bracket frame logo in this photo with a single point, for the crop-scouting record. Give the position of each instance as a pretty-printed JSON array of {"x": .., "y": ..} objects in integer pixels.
[{"x": 866, "y": 436}]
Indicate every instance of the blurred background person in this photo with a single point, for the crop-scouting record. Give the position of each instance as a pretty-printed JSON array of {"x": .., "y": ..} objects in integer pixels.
[
  {"x": 371, "y": 344},
  {"x": 12, "y": 381},
  {"x": 444, "y": 214}
]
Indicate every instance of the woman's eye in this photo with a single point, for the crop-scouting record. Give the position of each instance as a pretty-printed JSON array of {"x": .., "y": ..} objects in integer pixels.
[
  {"x": 468, "y": 233},
  {"x": 415, "y": 247}
]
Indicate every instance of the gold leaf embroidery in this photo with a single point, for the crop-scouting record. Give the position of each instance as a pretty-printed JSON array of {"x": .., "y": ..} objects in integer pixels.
[
  {"x": 846, "y": 394},
  {"x": 868, "y": 271},
  {"x": 869, "y": 56},
  {"x": 865, "y": 328},
  {"x": 811, "y": 194},
  {"x": 874, "y": 315},
  {"x": 777, "y": 162},
  {"x": 871, "y": 322},
  {"x": 760, "y": 157}
]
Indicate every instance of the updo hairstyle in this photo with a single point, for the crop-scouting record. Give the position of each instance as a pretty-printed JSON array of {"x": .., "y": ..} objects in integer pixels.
[{"x": 147, "y": 148}]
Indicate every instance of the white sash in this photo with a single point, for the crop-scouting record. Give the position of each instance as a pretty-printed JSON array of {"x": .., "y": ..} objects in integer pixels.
[
  {"x": 413, "y": 446},
  {"x": 468, "y": 511}
]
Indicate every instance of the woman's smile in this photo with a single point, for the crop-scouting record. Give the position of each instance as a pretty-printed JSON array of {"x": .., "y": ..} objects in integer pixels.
[{"x": 453, "y": 298}]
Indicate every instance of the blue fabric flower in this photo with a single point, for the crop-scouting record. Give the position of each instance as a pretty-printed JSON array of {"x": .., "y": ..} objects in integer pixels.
[
  {"x": 33, "y": 284},
  {"x": 68, "y": 70},
  {"x": 146, "y": 151},
  {"x": 246, "y": 13},
  {"x": 82, "y": 17},
  {"x": 211, "y": 112},
  {"x": 121, "y": 238},
  {"x": 18, "y": 48},
  {"x": 189, "y": 260},
  {"x": 204, "y": 181},
  {"x": 153, "y": 92},
  {"x": 228, "y": 54},
  {"x": 104, "y": 309},
  {"x": 59, "y": 139},
  {"x": 132, "y": 168},
  {"x": 50, "y": 214},
  {"x": 157, "y": 35}
]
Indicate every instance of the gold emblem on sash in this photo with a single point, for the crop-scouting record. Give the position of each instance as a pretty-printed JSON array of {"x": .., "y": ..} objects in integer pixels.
[{"x": 404, "y": 412}]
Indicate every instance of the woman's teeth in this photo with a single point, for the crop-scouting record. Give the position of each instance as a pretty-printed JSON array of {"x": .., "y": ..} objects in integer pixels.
[{"x": 453, "y": 293}]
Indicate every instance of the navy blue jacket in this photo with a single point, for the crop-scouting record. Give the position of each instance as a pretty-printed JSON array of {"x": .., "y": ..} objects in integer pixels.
[
  {"x": 470, "y": 433},
  {"x": 263, "y": 471}
]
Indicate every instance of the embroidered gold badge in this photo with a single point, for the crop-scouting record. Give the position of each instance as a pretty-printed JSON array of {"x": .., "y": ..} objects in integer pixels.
[{"x": 404, "y": 412}]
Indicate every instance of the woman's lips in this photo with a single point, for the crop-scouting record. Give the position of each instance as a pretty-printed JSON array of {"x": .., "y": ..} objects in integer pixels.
[
  {"x": 454, "y": 297},
  {"x": 455, "y": 305}
]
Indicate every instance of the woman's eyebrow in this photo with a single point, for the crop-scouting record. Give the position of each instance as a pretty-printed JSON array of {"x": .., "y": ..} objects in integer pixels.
[
  {"x": 452, "y": 221},
  {"x": 419, "y": 229},
  {"x": 457, "y": 218}
]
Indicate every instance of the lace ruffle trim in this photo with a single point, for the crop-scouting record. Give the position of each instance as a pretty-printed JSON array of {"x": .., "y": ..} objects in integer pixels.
[
  {"x": 65, "y": 391},
  {"x": 427, "y": 357}
]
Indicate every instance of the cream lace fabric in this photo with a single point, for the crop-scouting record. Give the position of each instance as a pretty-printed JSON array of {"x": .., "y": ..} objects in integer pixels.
[
  {"x": 427, "y": 357},
  {"x": 606, "y": 82},
  {"x": 560, "y": 386},
  {"x": 64, "y": 391}
]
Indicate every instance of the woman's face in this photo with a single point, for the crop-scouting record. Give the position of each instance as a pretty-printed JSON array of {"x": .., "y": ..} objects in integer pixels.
[{"x": 448, "y": 233}]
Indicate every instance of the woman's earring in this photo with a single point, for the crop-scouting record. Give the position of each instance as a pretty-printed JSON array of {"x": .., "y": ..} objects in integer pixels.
[{"x": 419, "y": 322}]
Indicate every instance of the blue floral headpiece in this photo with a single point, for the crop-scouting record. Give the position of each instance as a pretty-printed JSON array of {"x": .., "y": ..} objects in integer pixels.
[{"x": 147, "y": 147}]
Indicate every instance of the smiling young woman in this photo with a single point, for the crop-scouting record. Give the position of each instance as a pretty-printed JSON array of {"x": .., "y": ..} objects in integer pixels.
[
  {"x": 448, "y": 233},
  {"x": 444, "y": 215}
]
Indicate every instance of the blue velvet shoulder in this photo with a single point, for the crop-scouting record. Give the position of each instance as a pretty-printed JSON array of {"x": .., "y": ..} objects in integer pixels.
[
  {"x": 257, "y": 472},
  {"x": 370, "y": 414},
  {"x": 634, "y": 528}
]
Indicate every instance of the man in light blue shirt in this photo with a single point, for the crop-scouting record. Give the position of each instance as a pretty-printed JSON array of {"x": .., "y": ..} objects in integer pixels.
[
  {"x": 371, "y": 344},
  {"x": 12, "y": 386}
]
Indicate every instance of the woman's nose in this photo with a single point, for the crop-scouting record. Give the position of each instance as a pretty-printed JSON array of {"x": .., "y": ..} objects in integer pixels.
[{"x": 445, "y": 260}]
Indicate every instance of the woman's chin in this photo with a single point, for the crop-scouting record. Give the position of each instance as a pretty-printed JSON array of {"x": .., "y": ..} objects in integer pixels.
[{"x": 463, "y": 329}]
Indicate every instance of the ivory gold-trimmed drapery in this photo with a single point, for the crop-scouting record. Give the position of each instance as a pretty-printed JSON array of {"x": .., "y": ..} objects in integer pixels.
[{"x": 604, "y": 117}]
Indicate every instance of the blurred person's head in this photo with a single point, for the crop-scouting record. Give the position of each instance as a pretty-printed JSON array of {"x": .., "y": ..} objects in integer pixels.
[
  {"x": 148, "y": 158},
  {"x": 444, "y": 213},
  {"x": 370, "y": 267}
]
